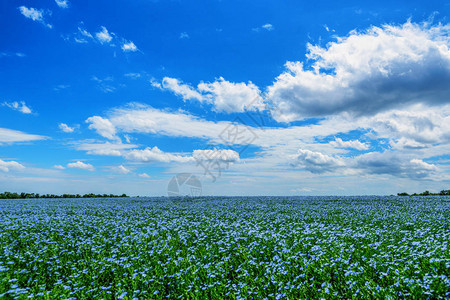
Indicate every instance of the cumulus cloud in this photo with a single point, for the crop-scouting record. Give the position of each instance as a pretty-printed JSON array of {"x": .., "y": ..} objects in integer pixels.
[
  {"x": 422, "y": 125},
  {"x": 59, "y": 167},
  {"x": 103, "y": 36},
  {"x": 223, "y": 95},
  {"x": 129, "y": 47},
  {"x": 66, "y": 128},
  {"x": 144, "y": 175},
  {"x": 339, "y": 143},
  {"x": 367, "y": 72},
  {"x": 14, "y": 136},
  {"x": 34, "y": 14},
  {"x": 104, "y": 127},
  {"x": 62, "y": 3},
  {"x": 120, "y": 169},
  {"x": 19, "y": 106},
  {"x": 315, "y": 162},
  {"x": 81, "y": 165},
  {"x": 7, "y": 166},
  {"x": 232, "y": 97},
  {"x": 155, "y": 155},
  {"x": 183, "y": 90},
  {"x": 395, "y": 164}
]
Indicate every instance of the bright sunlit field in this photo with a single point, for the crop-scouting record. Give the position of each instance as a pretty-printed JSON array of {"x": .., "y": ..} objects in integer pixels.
[{"x": 231, "y": 248}]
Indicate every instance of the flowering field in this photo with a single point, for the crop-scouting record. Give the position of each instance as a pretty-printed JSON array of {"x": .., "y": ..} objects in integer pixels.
[{"x": 232, "y": 248}]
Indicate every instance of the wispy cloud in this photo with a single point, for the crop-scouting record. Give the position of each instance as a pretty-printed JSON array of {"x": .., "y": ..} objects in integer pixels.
[
  {"x": 14, "y": 136},
  {"x": 81, "y": 165},
  {"x": 18, "y": 106},
  {"x": 9, "y": 54},
  {"x": 120, "y": 169},
  {"x": 129, "y": 47},
  {"x": 62, "y": 3},
  {"x": 267, "y": 27},
  {"x": 184, "y": 35},
  {"x": 36, "y": 15},
  {"x": 103, "y": 36},
  {"x": 66, "y": 128}
]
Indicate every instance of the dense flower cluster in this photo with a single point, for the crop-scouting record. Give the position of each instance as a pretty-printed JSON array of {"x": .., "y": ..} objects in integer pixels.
[{"x": 232, "y": 248}]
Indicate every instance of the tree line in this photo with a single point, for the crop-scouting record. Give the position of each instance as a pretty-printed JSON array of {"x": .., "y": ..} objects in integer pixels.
[
  {"x": 427, "y": 193},
  {"x": 8, "y": 195}
]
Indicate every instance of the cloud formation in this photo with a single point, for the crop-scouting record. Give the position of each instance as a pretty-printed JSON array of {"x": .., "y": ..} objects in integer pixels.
[
  {"x": 19, "y": 106},
  {"x": 120, "y": 169},
  {"x": 104, "y": 127},
  {"x": 34, "y": 14},
  {"x": 62, "y": 3},
  {"x": 315, "y": 162},
  {"x": 6, "y": 166},
  {"x": 367, "y": 72},
  {"x": 14, "y": 136},
  {"x": 103, "y": 36},
  {"x": 81, "y": 165},
  {"x": 155, "y": 155},
  {"x": 395, "y": 164},
  {"x": 339, "y": 143},
  {"x": 223, "y": 95},
  {"x": 66, "y": 128},
  {"x": 129, "y": 47}
]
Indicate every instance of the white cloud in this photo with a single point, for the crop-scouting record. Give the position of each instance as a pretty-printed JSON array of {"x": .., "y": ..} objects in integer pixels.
[
  {"x": 61, "y": 87},
  {"x": 81, "y": 165},
  {"x": 103, "y": 36},
  {"x": 144, "y": 175},
  {"x": 155, "y": 155},
  {"x": 232, "y": 97},
  {"x": 62, "y": 3},
  {"x": 367, "y": 72},
  {"x": 8, "y": 54},
  {"x": 34, "y": 14},
  {"x": 66, "y": 128},
  {"x": 6, "y": 166},
  {"x": 106, "y": 84},
  {"x": 222, "y": 94},
  {"x": 395, "y": 164},
  {"x": 185, "y": 91},
  {"x": 220, "y": 155},
  {"x": 109, "y": 149},
  {"x": 14, "y": 136},
  {"x": 339, "y": 143},
  {"x": 104, "y": 127},
  {"x": 420, "y": 124},
  {"x": 268, "y": 27},
  {"x": 19, "y": 106},
  {"x": 315, "y": 162},
  {"x": 120, "y": 169},
  {"x": 129, "y": 47},
  {"x": 184, "y": 35},
  {"x": 59, "y": 167},
  {"x": 82, "y": 36},
  {"x": 133, "y": 75}
]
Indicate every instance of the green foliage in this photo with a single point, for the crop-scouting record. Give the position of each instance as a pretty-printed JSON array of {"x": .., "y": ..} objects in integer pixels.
[
  {"x": 225, "y": 248},
  {"x": 8, "y": 195},
  {"x": 427, "y": 193}
]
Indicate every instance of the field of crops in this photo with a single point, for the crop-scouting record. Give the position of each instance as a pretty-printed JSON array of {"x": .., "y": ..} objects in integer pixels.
[{"x": 231, "y": 248}]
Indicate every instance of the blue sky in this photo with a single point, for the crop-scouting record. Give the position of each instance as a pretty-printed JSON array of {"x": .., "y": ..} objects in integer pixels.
[{"x": 266, "y": 98}]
